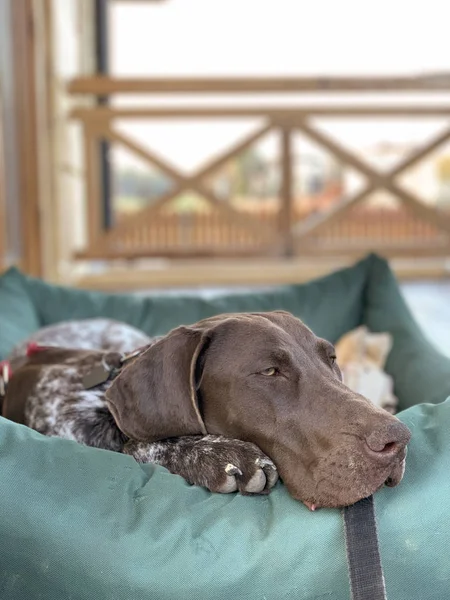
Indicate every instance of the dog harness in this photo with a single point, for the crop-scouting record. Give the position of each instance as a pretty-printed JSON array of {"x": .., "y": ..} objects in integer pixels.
[{"x": 106, "y": 371}]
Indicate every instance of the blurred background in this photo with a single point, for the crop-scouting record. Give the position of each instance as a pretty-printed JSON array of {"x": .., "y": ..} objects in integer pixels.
[{"x": 148, "y": 144}]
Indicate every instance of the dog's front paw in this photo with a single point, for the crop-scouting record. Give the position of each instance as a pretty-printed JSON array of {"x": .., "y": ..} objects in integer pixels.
[
  {"x": 220, "y": 464},
  {"x": 227, "y": 465}
]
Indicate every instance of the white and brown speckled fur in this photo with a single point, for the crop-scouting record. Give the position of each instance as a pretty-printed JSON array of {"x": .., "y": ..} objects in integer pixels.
[{"x": 88, "y": 334}]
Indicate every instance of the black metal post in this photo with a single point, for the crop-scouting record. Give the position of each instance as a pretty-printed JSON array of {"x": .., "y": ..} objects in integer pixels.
[{"x": 102, "y": 68}]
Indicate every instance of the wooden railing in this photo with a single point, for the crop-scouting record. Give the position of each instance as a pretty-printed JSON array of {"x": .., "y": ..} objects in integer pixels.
[{"x": 416, "y": 228}]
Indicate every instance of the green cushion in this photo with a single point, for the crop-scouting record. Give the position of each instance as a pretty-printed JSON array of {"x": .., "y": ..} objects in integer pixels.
[
  {"x": 83, "y": 523},
  {"x": 18, "y": 315},
  {"x": 366, "y": 293},
  {"x": 421, "y": 373},
  {"x": 331, "y": 305}
]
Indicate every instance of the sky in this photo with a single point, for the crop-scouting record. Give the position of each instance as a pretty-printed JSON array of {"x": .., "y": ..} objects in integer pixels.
[
  {"x": 280, "y": 37},
  {"x": 275, "y": 38}
]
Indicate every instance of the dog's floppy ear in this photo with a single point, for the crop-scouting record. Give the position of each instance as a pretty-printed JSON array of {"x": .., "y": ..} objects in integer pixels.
[{"x": 154, "y": 397}]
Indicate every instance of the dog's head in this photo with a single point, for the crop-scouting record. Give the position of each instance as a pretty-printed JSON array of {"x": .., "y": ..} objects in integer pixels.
[{"x": 268, "y": 379}]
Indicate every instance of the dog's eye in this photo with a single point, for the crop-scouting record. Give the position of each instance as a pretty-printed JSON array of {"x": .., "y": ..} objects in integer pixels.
[
  {"x": 270, "y": 372},
  {"x": 333, "y": 359}
]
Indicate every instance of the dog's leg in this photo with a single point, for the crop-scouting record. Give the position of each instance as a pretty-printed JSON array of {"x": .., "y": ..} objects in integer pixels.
[{"x": 220, "y": 464}]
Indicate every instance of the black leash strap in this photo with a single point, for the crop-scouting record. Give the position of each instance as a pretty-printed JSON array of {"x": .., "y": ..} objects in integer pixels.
[{"x": 363, "y": 553}]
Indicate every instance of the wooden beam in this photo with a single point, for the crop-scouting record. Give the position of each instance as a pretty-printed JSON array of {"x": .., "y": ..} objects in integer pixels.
[
  {"x": 201, "y": 273},
  {"x": 315, "y": 223},
  {"x": 216, "y": 163},
  {"x": 260, "y": 229},
  {"x": 47, "y": 155},
  {"x": 109, "y": 85},
  {"x": 93, "y": 185},
  {"x": 248, "y": 222},
  {"x": 286, "y": 195},
  {"x": 379, "y": 180},
  {"x": 209, "y": 252},
  {"x": 240, "y": 272},
  {"x": 25, "y": 49},
  {"x": 420, "y": 153},
  {"x": 388, "y": 250},
  {"x": 271, "y": 112},
  {"x": 149, "y": 156},
  {"x": 192, "y": 182},
  {"x": 204, "y": 171}
]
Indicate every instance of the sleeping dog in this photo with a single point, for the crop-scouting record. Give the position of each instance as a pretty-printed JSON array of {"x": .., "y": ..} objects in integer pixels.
[{"x": 216, "y": 403}]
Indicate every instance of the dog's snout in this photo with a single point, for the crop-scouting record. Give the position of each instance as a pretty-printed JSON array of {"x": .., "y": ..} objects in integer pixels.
[{"x": 388, "y": 439}]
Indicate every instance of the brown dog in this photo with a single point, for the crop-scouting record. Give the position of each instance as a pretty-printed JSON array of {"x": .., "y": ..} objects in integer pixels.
[{"x": 263, "y": 379}]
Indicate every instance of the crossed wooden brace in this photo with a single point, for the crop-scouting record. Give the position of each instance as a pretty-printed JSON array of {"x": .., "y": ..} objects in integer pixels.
[
  {"x": 193, "y": 182},
  {"x": 376, "y": 181}
]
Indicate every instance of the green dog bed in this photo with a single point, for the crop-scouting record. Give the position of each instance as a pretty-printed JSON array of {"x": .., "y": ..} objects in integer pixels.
[
  {"x": 366, "y": 294},
  {"x": 86, "y": 524},
  {"x": 82, "y": 524}
]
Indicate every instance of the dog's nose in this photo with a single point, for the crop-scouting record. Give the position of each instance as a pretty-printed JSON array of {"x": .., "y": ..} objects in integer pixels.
[{"x": 388, "y": 439}]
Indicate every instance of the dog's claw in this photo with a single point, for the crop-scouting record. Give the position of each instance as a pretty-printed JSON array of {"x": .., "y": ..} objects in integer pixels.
[
  {"x": 265, "y": 462},
  {"x": 312, "y": 507},
  {"x": 232, "y": 470}
]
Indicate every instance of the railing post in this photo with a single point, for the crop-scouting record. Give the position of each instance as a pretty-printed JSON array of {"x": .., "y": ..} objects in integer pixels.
[
  {"x": 286, "y": 191},
  {"x": 93, "y": 184}
]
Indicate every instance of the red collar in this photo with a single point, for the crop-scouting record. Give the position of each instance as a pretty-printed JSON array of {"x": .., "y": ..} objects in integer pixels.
[
  {"x": 33, "y": 348},
  {"x": 6, "y": 370}
]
